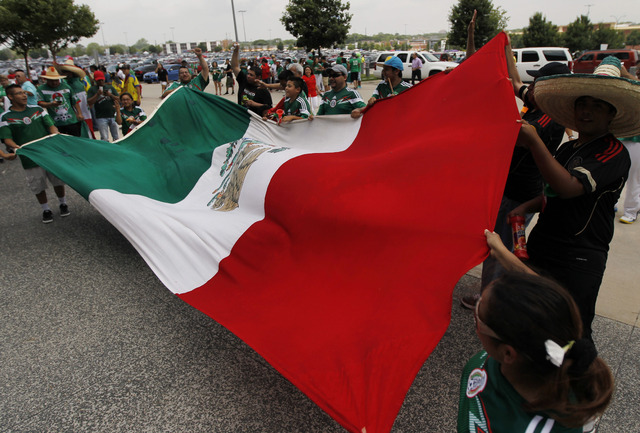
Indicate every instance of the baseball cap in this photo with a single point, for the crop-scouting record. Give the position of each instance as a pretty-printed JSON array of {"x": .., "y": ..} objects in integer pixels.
[
  {"x": 394, "y": 62},
  {"x": 98, "y": 75},
  {"x": 553, "y": 68},
  {"x": 339, "y": 69}
]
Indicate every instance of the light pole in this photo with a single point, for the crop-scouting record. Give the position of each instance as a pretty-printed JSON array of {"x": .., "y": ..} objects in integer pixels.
[
  {"x": 126, "y": 41},
  {"x": 235, "y": 27},
  {"x": 244, "y": 29},
  {"x": 104, "y": 44},
  {"x": 173, "y": 36}
]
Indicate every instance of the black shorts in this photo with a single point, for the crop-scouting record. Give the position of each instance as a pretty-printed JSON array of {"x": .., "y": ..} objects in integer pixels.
[{"x": 354, "y": 76}]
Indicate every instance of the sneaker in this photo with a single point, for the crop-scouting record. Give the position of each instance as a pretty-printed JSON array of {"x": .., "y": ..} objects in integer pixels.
[
  {"x": 627, "y": 219},
  {"x": 64, "y": 210},
  {"x": 469, "y": 302},
  {"x": 47, "y": 216}
]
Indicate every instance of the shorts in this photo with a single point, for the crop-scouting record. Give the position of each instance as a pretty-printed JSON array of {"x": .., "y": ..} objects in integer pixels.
[
  {"x": 37, "y": 179},
  {"x": 164, "y": 83},
  {"x": 354, "y": 76}
]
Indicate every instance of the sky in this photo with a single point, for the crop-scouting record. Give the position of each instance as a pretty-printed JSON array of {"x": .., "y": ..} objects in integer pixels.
[{"x": 126, "y": 21}]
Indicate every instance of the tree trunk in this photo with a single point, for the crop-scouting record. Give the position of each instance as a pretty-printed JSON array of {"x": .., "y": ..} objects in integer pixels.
[{"x": 26, "y": 64}]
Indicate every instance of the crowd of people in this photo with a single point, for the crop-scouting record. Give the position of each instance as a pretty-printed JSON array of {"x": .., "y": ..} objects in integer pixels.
[{"x": 539, "y": 363}]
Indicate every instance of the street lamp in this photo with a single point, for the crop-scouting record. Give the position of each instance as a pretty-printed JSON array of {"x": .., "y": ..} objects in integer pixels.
[
  {"x": 104, "y": 44},
  {"x": 173, "y": 36},
  {"x": 244, "y": 29},
  {"x": 126, "y": 41}
]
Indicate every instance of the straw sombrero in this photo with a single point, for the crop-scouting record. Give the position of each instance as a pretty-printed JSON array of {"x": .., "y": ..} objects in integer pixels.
[
  {"x": 556, "y": 95},
  {"x": 52, "y": 74},
  {"x": 71, "y": 67}
]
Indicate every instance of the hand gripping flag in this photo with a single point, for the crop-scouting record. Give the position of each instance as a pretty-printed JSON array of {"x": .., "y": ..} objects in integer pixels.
[{"x": 331, "y": 246}]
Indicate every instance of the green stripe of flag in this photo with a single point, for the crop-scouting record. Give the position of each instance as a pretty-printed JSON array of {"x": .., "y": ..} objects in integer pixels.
[{"x": 162, "y": 160}]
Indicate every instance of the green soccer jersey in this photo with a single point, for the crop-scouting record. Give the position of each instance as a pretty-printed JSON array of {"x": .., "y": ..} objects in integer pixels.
[
  {"x": 198, "y": 83},
  {"x": 489, "y": 403},
  {"x": 63, "y": 114},
  {"x": 25, "y": 126},
  {"x": 104, "y": 105},
  {"x": 383, "y": 89},
  {"x": 137, "y": 113},
  {"x": 354, "y": 64},
  {"x": 217, "y": 75},
  {"x": 299, "y": 107},
  {"x": 342, "y": 102}
]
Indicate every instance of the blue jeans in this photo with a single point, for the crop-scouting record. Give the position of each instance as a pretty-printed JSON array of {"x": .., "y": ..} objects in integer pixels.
[
  {"x": 106, "y": 124},
  {"x": 491, "y": 269}
]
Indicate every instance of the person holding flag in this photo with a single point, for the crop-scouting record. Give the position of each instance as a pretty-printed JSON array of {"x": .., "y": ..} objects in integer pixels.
[
  {"x": 199, "y": 82},
  {"x": 24, "y": 123}
]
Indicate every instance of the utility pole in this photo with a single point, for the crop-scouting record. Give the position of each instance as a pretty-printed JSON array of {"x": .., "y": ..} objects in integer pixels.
[
  {"x": 235, "y": 27},
  {"x": 244, "y": 29}
]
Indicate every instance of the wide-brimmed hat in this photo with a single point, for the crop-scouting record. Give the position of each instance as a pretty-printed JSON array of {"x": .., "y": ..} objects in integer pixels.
[
  {"x": 69, "y": 66},
  {"x": 556, "y": 96},
  {"x": 52, "y": 74},
  {"x": 394, "y": 62}
]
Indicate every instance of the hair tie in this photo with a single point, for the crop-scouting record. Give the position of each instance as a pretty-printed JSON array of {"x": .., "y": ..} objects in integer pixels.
[
  {"x": 583, "y": 354},
  {"x": 556, "y": 353}
]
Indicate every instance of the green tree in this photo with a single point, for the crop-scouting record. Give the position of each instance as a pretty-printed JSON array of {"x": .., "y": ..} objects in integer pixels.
[
  {"x": 7, "y": 54},
  {"x": 579, "y": 34},
  {"x": 540, "y": 32},
  {"x": 489, "y": 22},
  {"x": 606, "y": 35},
  {"x": 317, "y": 23},
  {"x": 117, "y": 49},
  {"x": 78, "y": 50},
  {"x": 633, "y": 38},
  {"x": 516, "y": 40},
  {"x": 94, "y": 48},
  {"x": 20, "y": 24},
  {"x": 70, "y": 23},
  {"x": 141, "y": 45},
  {"x": 280, "y": 46},
  {"x": 217, "y": 48}
]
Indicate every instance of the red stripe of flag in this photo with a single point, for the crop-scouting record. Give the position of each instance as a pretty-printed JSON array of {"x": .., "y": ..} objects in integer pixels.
[{"x": 345, "y": 286}]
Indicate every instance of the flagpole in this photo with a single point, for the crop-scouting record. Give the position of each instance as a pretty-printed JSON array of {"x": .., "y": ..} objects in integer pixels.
[{"x": 235, "y": 27}]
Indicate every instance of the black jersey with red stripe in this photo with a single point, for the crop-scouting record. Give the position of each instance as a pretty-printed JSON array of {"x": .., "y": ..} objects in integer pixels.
[
  {"x": 524, "y": 181},
  {"x": 586, "y": 221}
]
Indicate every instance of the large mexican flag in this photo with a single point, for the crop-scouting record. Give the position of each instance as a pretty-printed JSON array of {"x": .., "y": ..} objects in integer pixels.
[{"x": 329, "y": 246}]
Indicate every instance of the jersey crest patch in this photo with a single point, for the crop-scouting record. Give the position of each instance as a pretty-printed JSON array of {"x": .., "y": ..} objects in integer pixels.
[{"x": 477, "y": 382}]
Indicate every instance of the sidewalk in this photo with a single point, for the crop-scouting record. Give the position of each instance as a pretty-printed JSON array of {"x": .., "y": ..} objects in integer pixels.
[{"x": 91, "y": 341}]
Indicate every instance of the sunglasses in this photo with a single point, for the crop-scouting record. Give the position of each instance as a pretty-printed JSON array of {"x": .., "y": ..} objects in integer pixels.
[
  {"x": 332, "y": 74},
  {"x": 482, "y": 327}
]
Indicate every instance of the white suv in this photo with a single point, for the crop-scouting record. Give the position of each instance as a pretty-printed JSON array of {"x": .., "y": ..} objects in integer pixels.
[
  {"x": 430, "y": 63},
  {"x": 534, "y": 58}
]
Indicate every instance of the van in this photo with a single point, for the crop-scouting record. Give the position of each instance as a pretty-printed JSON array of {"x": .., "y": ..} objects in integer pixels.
[
  {"x": 534, "y": 58},
  {"x": 589, "y": 60},
  {"x": 430, "y": 64}
]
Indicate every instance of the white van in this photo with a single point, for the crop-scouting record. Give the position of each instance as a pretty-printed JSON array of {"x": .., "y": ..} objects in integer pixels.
[
  {"x": 533, "y": 58},
  {"x": 430, "y": 63}
]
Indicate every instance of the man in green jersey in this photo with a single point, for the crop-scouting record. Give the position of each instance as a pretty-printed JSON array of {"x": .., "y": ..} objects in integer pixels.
[
  {"x": 391, "y": 84},
  {"x": 354, "y": 67},
  {"x": 340, "y": 99},
  {"x": 61, "y": 102},
  {"x": 22, "y": 124},
  {"x": 184, "y": 76}
]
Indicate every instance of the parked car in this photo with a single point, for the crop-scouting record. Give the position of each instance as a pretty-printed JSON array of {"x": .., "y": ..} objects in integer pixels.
[
  {"x": 589, "y": 60},
  {"x": 173, "y": 71},
  {"x": 143, "y": 69},
  {"x": 533, "y": 58},
  {"x": 430, "y": 64}
]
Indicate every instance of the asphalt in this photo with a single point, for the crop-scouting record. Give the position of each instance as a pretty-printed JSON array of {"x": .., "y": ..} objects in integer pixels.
[{"x": 91, "y": 341}]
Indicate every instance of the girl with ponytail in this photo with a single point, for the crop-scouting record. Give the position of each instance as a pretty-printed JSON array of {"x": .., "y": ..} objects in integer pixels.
[{"x": 536, "y": 372}]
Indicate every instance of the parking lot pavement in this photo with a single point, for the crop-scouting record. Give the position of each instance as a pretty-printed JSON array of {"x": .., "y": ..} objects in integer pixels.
[{"x": 90, "y": 340}]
